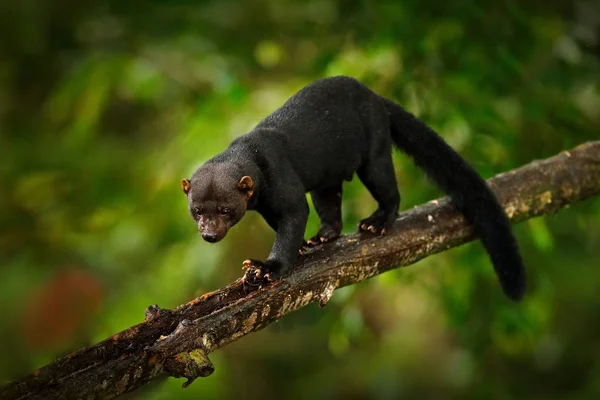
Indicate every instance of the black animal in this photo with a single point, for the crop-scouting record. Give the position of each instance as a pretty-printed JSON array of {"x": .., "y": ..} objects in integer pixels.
[{"x": 321, "y": 136}]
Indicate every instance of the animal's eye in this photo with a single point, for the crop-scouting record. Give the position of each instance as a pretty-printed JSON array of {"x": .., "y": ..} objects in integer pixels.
[
  {"x": 197, "y": 211},
  {"x": 225, "y": 211}
]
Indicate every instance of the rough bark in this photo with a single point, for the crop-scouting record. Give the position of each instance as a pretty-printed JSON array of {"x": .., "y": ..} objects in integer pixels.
[{"x": 177, "y": 342}]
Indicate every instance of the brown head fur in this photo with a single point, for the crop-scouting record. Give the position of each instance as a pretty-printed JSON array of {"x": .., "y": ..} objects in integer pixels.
[{"x": 217, "y": 199}]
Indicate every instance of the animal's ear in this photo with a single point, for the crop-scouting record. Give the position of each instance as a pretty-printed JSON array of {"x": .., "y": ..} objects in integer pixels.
[
  {"x": 246, "y": 186},
  {"x": 185, "y": 186}
]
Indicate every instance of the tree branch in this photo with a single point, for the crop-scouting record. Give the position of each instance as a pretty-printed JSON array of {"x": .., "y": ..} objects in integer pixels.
[{"x": 177, "y": 341}]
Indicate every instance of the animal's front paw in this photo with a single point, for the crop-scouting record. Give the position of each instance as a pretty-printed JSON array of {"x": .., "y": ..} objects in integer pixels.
[{"x": 259, "y": 272}]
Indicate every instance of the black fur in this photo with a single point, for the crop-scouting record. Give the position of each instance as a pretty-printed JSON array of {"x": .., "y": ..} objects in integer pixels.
[{"x": 322, "y": 135}]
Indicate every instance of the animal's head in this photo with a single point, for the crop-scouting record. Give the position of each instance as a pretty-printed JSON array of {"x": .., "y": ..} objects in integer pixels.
[{"x": 217, "y": 200}]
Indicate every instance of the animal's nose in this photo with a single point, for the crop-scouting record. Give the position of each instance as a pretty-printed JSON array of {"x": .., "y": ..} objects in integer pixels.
[{"x": 210, "y": 237}]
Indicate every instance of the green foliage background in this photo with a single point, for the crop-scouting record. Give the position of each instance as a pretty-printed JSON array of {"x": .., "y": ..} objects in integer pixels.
[{"x": 105, "y": 105}]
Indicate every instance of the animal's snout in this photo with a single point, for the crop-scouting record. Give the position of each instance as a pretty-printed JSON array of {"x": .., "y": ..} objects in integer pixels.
[{"x": 210, "y": 237}]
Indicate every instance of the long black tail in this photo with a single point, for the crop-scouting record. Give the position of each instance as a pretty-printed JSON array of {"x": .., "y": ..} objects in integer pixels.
[{"x": 468, "y": 191}]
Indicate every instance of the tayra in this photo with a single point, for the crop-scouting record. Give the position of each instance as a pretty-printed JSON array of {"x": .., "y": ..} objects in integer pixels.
[{"x": 321, "y": 136}]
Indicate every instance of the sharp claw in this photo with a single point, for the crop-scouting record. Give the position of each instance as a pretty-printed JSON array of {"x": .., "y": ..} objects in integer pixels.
[
  {"x": 250, "y": 281},
  {"x": 372, "y": 229},
  {"x": 383, "y": 232},
  {"x": 322, "y": 239}
]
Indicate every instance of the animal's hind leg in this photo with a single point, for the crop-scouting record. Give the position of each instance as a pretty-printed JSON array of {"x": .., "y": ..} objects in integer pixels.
[
  {"x": 328, "y": 203},
  {"x": 379, "y": 177}
]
